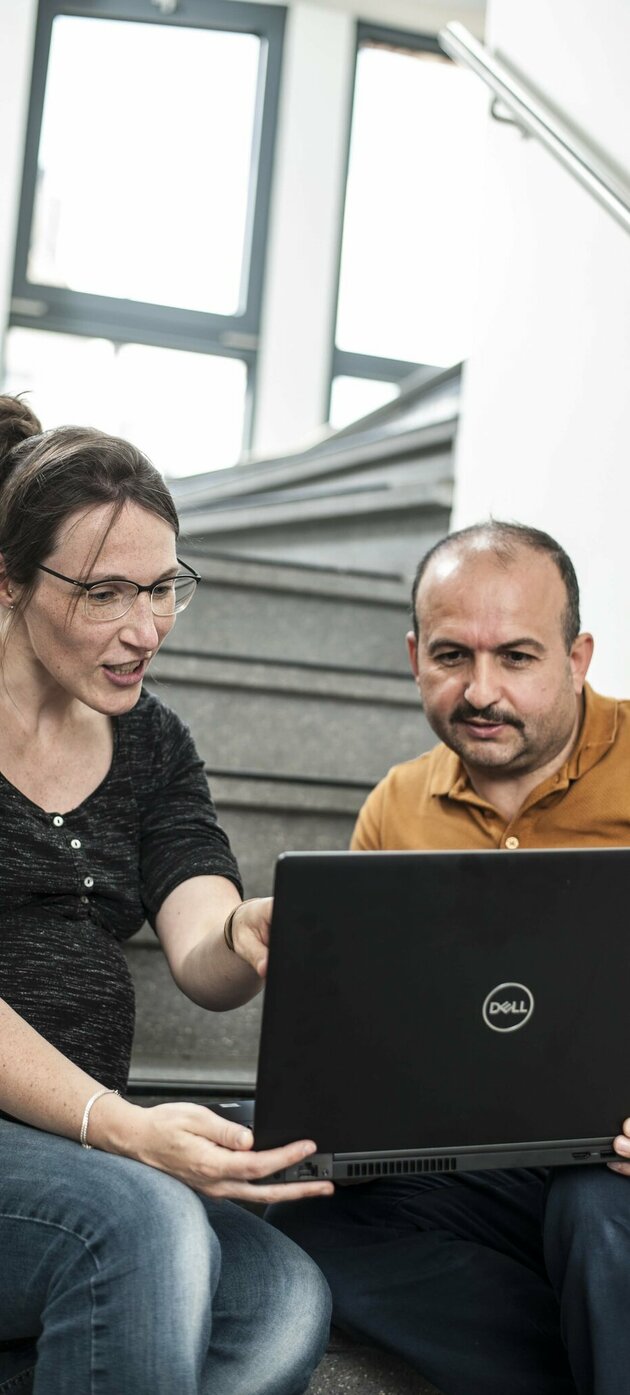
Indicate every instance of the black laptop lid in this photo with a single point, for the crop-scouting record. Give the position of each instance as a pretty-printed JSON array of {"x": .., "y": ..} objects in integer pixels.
[{"x": 374, "y": 1031}]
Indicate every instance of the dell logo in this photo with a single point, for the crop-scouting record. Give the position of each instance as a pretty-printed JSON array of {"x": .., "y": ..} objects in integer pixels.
[{"x": 508, "y": 1007}]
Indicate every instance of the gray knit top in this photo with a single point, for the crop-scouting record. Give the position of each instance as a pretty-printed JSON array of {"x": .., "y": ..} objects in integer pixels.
[{"x": 74, "y": 886}]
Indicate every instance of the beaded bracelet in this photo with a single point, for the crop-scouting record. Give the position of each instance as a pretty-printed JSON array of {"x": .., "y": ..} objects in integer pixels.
[{"x": 86, "y": 1114}]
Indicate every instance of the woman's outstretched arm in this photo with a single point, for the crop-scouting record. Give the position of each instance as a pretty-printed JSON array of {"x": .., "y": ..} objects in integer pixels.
[
  {"x": 41, "y": 1087},
  {"x": 190, "y": 926}
]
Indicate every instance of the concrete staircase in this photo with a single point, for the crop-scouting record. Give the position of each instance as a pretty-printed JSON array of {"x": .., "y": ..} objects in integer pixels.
[
  {"x": 290, "y": 667},
  {"x": 295, "y": 683},
  {"x": 372, "y": 497}
]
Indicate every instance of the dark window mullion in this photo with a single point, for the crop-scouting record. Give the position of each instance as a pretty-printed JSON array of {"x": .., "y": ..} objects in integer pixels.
[
  {"x": 169, "y": 326},
  {"x": 389, "y": 370},
  {"x": 21, "y": 286},
  {"x": 77, "y": 312}
]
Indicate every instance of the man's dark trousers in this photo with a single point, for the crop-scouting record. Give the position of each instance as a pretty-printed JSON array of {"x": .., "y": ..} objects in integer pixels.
[{"x": 493, "y": 1283}]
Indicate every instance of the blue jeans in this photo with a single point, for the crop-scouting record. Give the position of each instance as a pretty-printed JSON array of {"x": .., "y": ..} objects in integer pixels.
[
  {"x": 116, "y": 1279},
  {"x": 487, "y": 1283}
]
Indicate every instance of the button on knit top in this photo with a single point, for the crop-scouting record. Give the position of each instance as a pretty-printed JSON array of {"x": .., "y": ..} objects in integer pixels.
[{"x": 74, "y": 886}]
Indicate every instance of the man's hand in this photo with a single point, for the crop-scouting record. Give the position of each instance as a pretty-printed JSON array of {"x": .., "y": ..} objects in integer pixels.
[
  {"x": 621, "y": 1145},
  {"x": 250, "y": 932}
]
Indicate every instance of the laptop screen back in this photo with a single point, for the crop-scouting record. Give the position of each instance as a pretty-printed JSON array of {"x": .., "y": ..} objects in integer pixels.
[{"x": 426, "y": 1000}]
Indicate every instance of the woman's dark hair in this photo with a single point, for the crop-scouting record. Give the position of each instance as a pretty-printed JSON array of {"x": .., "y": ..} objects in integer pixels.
[{"x": 46, "y": 476}]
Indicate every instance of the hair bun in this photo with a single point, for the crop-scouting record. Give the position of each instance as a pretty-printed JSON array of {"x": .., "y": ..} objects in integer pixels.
[{"x": 17, "y": 423}]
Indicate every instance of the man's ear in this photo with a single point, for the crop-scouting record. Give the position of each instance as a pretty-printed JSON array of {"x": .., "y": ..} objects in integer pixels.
[
  {"x": 580, "y": 658},
  {"x": 412, "y": 650}
]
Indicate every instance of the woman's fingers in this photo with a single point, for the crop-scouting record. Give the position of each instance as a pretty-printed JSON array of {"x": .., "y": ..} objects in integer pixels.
[
  {"x": 249, "y": 1165},
  {"x": 226, "y": 1133},
  {"x": 267, "y": 1194},
  {"x": 217, "y": 1156},
  {"x": 195, "y": 1122}
]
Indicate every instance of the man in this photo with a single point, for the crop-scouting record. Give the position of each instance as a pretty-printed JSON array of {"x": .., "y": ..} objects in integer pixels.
[{"x": 511, "y": 1281}]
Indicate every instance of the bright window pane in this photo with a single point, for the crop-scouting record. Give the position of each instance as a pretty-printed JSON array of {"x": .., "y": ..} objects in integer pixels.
[
  {"x": 408, "y": 269},
  {"x": 145, "y": 163},
  {"x": 352, "y": 398},
  {"x": 185, "y": 410}
]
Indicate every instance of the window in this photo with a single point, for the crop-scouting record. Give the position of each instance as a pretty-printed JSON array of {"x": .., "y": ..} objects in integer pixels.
[
  {"x": 352, "y": 398},
  {"x": 407, "y": 265},
  {"x": 143, "y": 219}
]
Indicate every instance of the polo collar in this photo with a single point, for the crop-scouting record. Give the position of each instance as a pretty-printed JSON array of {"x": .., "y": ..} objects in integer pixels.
[{"x": 595, "y": 738}]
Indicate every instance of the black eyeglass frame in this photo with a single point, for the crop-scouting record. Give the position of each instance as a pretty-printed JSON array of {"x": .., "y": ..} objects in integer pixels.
[{"x": 87, "y": 586}]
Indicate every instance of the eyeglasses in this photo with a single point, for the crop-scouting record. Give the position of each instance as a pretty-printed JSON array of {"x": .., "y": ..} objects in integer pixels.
[{"x": 110, "y": 600}]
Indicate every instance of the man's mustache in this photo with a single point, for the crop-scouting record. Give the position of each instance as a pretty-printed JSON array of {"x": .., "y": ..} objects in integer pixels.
[{"x": 492, "y": 715}]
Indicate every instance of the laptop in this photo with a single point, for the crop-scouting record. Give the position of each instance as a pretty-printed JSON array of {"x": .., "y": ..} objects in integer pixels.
[{"x": 429, "y": 1012}]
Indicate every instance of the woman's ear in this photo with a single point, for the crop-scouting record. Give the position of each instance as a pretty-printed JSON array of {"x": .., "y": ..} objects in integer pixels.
[{"x": 7, "y": 597}]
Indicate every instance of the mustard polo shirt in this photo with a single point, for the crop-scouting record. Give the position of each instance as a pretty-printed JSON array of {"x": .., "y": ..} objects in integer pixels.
[{"x": 430, "y": 803}]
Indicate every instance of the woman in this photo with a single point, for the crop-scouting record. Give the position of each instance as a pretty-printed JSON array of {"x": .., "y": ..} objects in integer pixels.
[{"x": 121, "y": 1259}]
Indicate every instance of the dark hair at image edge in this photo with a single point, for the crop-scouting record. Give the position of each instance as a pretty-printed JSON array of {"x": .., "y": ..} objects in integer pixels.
[
  {"x": 504, "y": 540},
  {"x": 45, "y": 477}
]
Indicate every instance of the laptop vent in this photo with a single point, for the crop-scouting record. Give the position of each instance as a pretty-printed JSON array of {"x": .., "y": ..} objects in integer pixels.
[{"x": 400, "y": 1167}]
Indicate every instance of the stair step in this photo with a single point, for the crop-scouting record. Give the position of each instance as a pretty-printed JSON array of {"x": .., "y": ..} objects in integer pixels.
[
  {"x": 379, "y": 533},
  {"x": 261, "y": 717},
  {"x": 264, "y": 819},
  {"x": 291, "y": 614},
  {"x": 349, "y": 1368},
  {"x": 175, "y": 1039}
]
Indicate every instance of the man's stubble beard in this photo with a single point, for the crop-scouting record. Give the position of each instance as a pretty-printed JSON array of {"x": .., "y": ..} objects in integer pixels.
[{"x": 490, "y": 754}]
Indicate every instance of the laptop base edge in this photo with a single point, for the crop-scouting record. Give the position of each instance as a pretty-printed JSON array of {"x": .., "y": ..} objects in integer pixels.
[{"x": 365, "y": 1167}]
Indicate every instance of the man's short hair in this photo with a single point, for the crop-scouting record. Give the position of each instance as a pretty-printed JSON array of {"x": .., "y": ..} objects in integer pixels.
[{"x": 503, "y": 540}]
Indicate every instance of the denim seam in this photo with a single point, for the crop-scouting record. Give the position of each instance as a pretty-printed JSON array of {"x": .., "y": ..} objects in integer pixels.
[
  {"x": 52, "y": 1225},
  {"x": 55, "y": 1225},
  {"x": 16, "y": 1382}
]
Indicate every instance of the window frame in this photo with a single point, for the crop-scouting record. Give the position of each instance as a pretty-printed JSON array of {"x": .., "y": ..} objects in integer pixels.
[
  {"x": 343, "y": 362},
  {"x": 64, "y": 311}
]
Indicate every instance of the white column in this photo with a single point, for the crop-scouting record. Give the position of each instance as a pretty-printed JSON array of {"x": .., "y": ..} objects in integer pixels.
[{"x": 301, "y": 273}]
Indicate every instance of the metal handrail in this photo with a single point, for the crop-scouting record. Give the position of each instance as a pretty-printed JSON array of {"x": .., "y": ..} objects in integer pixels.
[{"x": 535, "y": 117}]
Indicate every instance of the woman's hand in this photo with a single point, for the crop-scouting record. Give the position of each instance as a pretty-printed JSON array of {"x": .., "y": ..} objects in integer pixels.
[
  {"x": 215, "y": 1156},
  {"x": 621, "y": 1145},
  {"x": 250, "y": 932}
]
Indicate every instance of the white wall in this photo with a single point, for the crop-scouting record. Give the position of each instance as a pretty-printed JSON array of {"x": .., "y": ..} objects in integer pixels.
[{"x": 546, "y": 413}]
